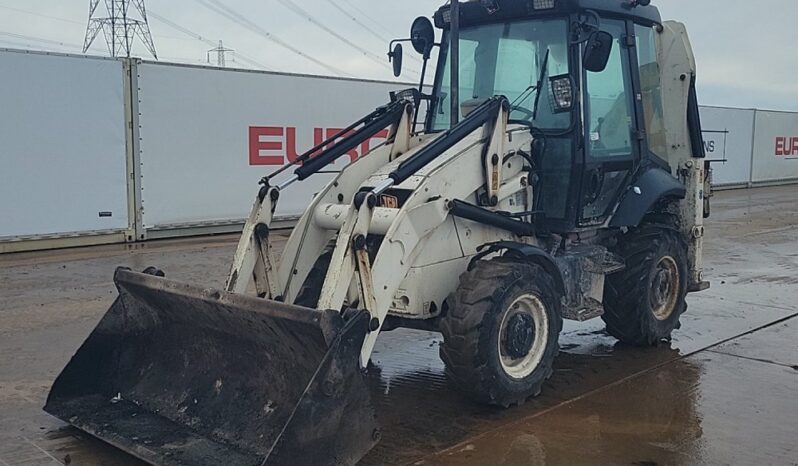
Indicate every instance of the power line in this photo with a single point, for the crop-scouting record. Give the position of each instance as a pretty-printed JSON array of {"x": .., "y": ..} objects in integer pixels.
[
  {"x": 181, "y": 28},
  {"x": 77, "y": 48},
  {"x": 365, "y": 15},
  {"x": 41, "y": 40},
  {"x": 301, "y": 12},
  {"x": 38, "y": 48},
  {"x": 236, "y": 17},
  {"x": 19, "y": 10},
  {"x": 13, "y": 43},
  {"x": 65, "y": 20},
  {"x": 363, "y": 25},
  {"x": 182, "y": 60},
  {"x": 252, "y": 62}
]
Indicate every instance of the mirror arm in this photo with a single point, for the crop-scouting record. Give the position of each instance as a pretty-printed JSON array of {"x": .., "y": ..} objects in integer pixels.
[
  {"x": 390, "y": 47},
  {"x": 425, "y": 56},
  {"x": 420, "y": 90}
]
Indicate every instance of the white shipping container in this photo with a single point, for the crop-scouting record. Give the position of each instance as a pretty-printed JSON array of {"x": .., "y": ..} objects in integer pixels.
[
  {"x": 203, "y": 137},
  {"x": 728, "y": 140},
  {"x": 775, "y": 147},
  {"x": 208, "y": 135},
  {"x": 62, "y": 145}
]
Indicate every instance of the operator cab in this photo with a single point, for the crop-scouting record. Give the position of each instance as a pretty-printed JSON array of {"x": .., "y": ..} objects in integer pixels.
[{"x": 581, "y": 74}]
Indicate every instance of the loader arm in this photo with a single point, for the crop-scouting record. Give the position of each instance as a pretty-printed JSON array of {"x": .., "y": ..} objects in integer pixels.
[
  {"x": 458, "y": 174},
  {"x": 312, "y": 238},
  {"x": 254, "y": 262},
  {"x": 453, "y": 166}
]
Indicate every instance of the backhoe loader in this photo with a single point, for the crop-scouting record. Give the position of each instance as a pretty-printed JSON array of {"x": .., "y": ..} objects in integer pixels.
[{"x": 557, "y": 173}]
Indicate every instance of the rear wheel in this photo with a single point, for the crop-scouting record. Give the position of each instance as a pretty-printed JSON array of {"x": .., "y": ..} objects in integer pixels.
[
  {"x": 500, "y": 333},
  {"x": 643, "y": 303}
]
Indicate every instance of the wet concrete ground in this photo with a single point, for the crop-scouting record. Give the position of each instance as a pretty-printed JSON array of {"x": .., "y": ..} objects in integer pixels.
[{"x": 725, "y": 391}]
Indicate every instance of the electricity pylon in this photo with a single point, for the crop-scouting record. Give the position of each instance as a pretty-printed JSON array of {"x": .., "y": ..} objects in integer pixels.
[{"x": 118, "y": 27}]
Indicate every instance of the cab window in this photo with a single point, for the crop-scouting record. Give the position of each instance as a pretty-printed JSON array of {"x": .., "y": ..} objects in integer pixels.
[
  {"x": 609, "y": 103},
  {"x": 651, "y": 88},
  {"x": 507, "y": 59}
]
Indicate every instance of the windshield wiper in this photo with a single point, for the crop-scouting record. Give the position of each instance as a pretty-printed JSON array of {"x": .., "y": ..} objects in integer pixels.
[
  {"x": 522, "y": 96},
  {"x": 539, "y": 85}
]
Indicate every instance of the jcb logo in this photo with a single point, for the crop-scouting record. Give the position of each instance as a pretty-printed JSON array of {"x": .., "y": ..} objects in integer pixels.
[
  {"x": 277, "y": 145},
  {"x": 389, "y": 202}
]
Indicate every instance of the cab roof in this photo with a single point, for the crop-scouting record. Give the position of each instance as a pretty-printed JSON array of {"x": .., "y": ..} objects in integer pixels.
[{"x": 489, "y": 11}]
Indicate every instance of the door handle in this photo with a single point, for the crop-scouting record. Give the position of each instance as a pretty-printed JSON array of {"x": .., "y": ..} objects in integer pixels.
[{"x": 595, "y": 180}]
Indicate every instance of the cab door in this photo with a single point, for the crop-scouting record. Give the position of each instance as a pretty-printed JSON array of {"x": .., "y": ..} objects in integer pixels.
[{"x": 612, "y": 138}]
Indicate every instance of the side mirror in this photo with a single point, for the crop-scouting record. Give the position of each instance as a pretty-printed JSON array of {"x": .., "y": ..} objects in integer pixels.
[
  {"x": 395, "y": 57},
  {"x": 597, "y": 51},
  {"x": 422, "y": 36}
]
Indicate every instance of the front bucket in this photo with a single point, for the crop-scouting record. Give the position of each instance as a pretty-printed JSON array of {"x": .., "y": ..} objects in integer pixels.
[{"x": 179, "y": 375}]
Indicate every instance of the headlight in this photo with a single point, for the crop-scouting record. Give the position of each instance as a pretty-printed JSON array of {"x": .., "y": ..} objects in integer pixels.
[
  {"x": 562, "y": 93},
  {"x": 447, "y": 16},
  {"x": 543, "y": 4},
  {"x": 410, "y": 94}
]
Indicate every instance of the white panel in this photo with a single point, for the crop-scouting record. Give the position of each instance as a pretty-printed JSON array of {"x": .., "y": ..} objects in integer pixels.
[
  {"x": 728, "y": 137},
  {"x": 62, "y": 145},
  {"x": 208, "y": 136},
  {"x": 775, "y": 146}
]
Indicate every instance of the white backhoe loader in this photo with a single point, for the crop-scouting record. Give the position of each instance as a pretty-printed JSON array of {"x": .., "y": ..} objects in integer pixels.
[{"x": 559, "y": 174}]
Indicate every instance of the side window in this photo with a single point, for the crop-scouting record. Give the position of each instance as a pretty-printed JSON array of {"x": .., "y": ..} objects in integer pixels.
[
  {"x": 467, "y": 82},
  {"x": 651, "y": 88},
  {"x": 609, "y": 102}
]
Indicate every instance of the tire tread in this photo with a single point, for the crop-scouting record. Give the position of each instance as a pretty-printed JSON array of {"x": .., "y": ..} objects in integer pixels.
[{"x": 482, "y": 289}]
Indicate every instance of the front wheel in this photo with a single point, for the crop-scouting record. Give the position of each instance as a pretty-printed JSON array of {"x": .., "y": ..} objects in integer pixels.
[{"x": 501, "y": 330}]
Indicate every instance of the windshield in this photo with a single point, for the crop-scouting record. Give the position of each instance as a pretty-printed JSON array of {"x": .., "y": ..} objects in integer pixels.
[{"x": 507, "y": 59}]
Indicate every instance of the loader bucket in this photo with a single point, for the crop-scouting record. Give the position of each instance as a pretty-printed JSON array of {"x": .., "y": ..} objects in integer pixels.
[{"x": 179, "y": 375}]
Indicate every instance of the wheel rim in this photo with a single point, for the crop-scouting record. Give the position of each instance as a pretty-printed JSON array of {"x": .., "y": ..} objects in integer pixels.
[
  {"x": 523, "y": 335},
  {"x": 665, "y": 288}
]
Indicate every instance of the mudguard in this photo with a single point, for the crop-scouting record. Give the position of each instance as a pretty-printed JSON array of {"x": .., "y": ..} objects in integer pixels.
[
  {"x": 529, "y": 252},
  {"x": 649, "y": 188}
]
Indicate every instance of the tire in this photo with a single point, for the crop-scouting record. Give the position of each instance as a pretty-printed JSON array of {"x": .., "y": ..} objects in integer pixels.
[
  {"x": 495, "y": 300},
  {"x": 643, "y": 303},
  {"x": 310, "y": 292}
]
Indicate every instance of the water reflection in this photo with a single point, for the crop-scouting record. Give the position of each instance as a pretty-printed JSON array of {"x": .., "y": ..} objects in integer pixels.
[
  {"x": 420, "y": 413},
  {"x": 649, "y": 420}
]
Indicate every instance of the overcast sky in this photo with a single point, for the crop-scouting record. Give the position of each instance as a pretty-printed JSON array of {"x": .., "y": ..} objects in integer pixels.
[{"x": 745, "y": 49}]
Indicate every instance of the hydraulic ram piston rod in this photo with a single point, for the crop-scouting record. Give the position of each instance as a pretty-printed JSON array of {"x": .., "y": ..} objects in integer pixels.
[
  {"x": 373, "y": 123},
  {"x": 486, "y": 112}
]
